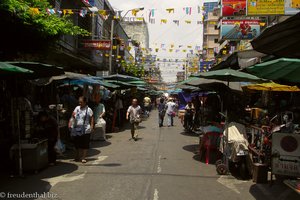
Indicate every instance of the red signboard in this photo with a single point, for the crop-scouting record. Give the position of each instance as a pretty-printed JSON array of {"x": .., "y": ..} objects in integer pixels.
[
  {"x": 97, "y": 44},
  {"x": 233, "y": 7}
]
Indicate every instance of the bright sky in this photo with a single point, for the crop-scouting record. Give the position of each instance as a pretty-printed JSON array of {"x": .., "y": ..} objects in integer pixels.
[{"x": 169, "y": 33}]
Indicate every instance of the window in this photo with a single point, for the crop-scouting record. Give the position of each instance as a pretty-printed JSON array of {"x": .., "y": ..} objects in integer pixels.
[{"x": 216, "y": 40}]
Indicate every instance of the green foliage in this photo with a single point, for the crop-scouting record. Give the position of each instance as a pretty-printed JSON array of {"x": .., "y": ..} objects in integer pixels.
[
  {"x": 132, "y": 69},
  {"x": 48, "y": 25}
]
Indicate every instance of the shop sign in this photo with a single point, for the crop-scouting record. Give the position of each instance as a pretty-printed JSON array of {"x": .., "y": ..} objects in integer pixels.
[
  {"x": 265, "y": 7},
  {"x": 97, "y": 44},
  {"x": 234, "y": 7},
  {"x": 285, "y": 154},
  {"x": 291, "y": 7},
  {"x": 239, "y": 29}
]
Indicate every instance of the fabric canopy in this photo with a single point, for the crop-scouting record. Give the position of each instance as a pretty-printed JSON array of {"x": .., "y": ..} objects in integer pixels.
[
  {"x": 281, "y": 40},
  {"x": 283, "y": 69},
  {"x": 272, "y": 87}
]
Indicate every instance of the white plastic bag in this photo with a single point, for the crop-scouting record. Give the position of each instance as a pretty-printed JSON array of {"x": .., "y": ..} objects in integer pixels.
[
  {"x": 100, "y": 123},
  {"x": 59, "y": 147}
]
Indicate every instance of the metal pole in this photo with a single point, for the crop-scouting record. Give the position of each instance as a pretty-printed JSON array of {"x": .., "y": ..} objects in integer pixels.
[{"x": 111, "y": 46}]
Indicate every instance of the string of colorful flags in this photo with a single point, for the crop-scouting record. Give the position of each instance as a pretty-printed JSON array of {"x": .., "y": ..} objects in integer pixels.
[{"x": 90, "y": 11}]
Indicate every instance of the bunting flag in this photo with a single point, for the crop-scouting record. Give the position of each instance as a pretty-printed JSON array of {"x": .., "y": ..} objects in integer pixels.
[
  {"x": 103, "y": 12},
  {"x": 114, "y": 47},
  {"x": 50, "y": 11},
  {"x": 183, "y": 50},
  {"x": 197, "y": 48},
  {"x": 162, "y": 46},
  {"x": 172, "y": 45},
  {"x": 152, "y": 21},
  {"x": 135, "y": 11},
  {"x": 176, "y": 22},
  {"x": 170, "y": 50},
  {"x": 151, "y": 14},
  {"x": 199, "y": 22},
  {"x": 140, "y": 18},
  {"x": 189, "y": 46},
  {"x": 86, "y": 2},
  {"x": 188, "y": 21},
  {"x": 177, "y": 50},
  {"x": 67, "y": 11},
  {"x": 156, "y": 50},
  {"x": 83, "y": 13},
  {"x": 170, "y": 10},
  {"x": 199, "y": 9},
  {"x": 188, "y": 10},
  {"x": 34, "y": 11},
  {"x": 180, "y": 46},
  {"x": 163, "y": 21},
  {"x": 128, "y": 48}
]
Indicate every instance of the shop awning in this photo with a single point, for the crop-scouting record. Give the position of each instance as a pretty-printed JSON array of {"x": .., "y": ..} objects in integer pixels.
[
  {"x": 281, "y": 40},
  {"x": 285, "y": 70}
]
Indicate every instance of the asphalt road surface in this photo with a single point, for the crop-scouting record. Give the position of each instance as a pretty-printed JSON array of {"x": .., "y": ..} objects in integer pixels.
[{"x": 162, "y": 164}]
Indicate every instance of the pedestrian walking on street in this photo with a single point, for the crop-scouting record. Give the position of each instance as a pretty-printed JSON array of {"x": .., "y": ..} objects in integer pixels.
[
  {"x": 81, "y": 129},
  {"x": 147, "y": 105},
  {"x": 161, "y": 111},
  {"x": 133, "y": 113},
  {"x": 171, "y": 107}
]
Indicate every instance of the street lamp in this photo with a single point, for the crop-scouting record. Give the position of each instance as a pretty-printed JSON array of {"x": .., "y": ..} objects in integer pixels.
[{"x": 112, "y": 36}]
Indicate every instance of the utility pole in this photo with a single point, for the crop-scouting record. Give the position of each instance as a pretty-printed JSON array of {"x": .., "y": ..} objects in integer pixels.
[{"x": 111, "y": 45}]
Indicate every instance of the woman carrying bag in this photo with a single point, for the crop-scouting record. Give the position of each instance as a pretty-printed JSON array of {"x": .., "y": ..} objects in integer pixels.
[{"x": 82, "y": 128}]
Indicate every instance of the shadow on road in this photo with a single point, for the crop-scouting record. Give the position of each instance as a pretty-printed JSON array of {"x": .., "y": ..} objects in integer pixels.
[
  {"x": 275, "y": 191},
  {"x": 191, "y": 148},
  {"x": 191, "y": 134},
  {"x": 35, "y": 185},
  {"x": 97, "y": 144}
]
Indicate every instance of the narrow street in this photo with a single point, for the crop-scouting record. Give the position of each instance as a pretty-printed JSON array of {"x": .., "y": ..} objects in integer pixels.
[{"x": 162, "y": 164}]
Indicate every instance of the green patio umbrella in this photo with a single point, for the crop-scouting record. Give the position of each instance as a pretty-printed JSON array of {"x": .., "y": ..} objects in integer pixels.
[
  {"x": 188, "y": 80},
  {"x": 40, "y": 70},
  {"x": 121, "y": 84},
  {"x": 283, "y": 69},
  {"x": 10, "y": 69},
  {"x": 121, "y": 77},
  {"x": 138, "y": 83},
  {"x": 229, "y": 75}
]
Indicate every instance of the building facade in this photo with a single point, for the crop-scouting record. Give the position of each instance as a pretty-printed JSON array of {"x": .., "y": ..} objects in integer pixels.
[{"x": 210, "y": 30}]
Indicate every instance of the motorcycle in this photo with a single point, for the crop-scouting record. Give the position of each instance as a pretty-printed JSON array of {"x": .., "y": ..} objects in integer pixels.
[{"x": 189, "y": 120}]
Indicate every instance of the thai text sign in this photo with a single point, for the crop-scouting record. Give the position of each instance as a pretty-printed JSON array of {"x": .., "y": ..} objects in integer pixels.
[
  {"x": 285, "y": 154},
  {"x": 97, "y": 44},
  {"x": 233, "y": 7},
  {"x": 265, "y": 7},
  {"x": 240, "y": 29}
]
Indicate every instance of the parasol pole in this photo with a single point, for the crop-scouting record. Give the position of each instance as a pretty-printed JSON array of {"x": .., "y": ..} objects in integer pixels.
[{"x": 19, "y": 144}]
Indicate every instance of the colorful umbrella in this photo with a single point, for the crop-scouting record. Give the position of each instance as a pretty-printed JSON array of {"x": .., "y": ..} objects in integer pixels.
[
  {"x": 282, "y": 69},
  {"x": 272, "y": 87}
]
